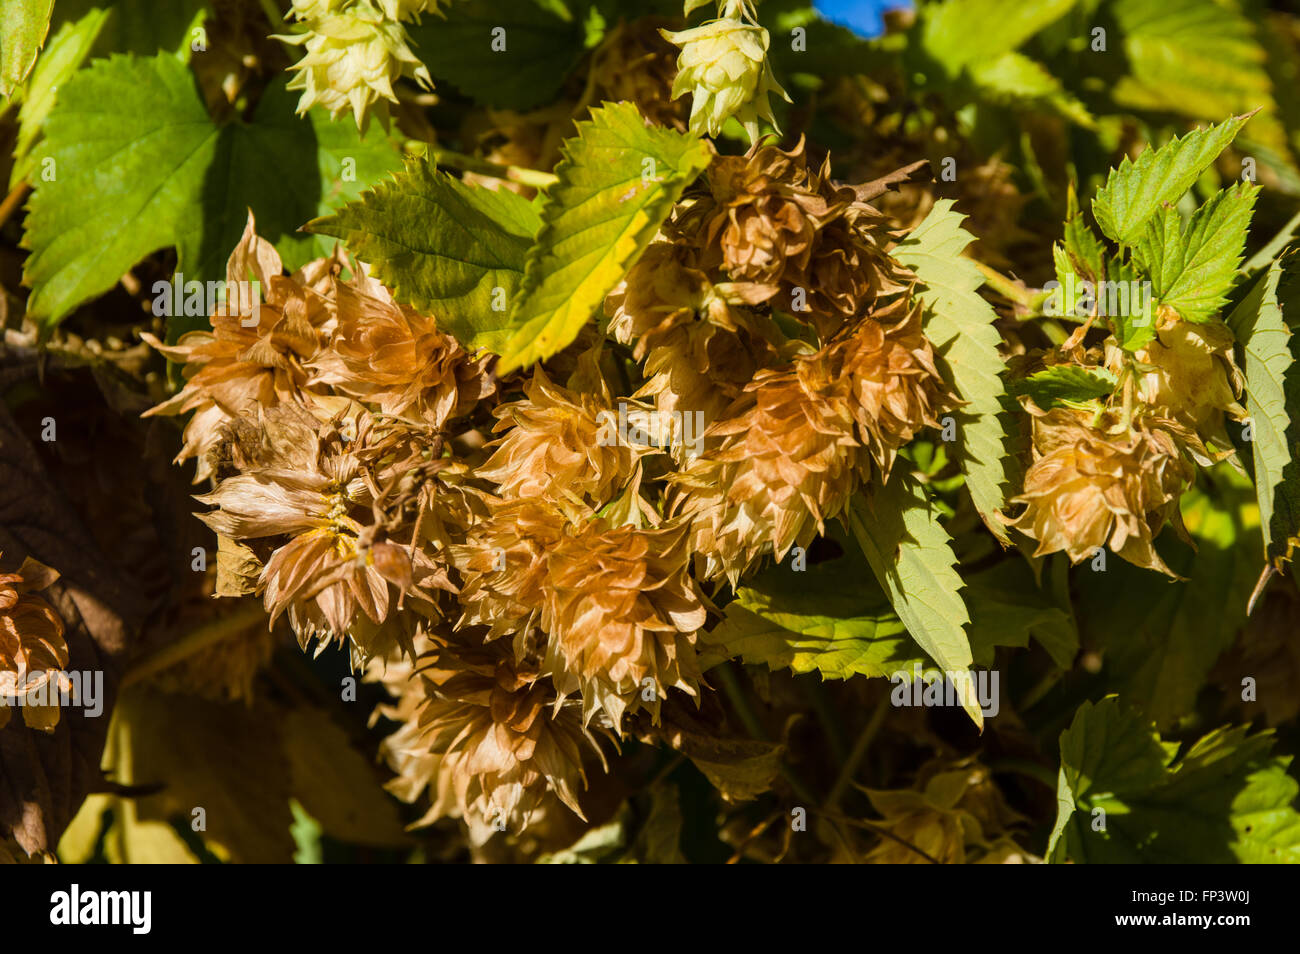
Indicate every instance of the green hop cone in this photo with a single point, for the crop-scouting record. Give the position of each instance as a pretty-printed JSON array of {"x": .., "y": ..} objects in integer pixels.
[{"x": 723, "y": 64}]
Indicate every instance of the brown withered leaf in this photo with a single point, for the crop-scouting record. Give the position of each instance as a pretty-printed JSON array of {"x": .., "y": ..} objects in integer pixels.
[
  {"x": 918, "y": 171},
  {"x": 740, "y": 769},
  {"x": 237, "y": 568}
]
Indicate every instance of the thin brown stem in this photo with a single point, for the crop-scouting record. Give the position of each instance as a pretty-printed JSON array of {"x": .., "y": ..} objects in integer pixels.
[
  {"x": 483, "y": 167},
  {"x": 13, "y": 200},
  {"x": 194, "y": 641},
  {"x": 864, "y": 740}
]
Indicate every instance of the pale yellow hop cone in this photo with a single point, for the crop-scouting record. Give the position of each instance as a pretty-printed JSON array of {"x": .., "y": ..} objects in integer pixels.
[
  {"x": 723, "y": 65},
  {"x": 1194, "y": 375},
  {"x": 306, "y": 9},
  {"x": 352, "y": 59},
  {"x": 411, "y": 9}
]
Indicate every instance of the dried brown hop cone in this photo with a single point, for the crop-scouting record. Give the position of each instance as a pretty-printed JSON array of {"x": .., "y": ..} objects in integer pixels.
[
  {"x": 257, "y": 352},
  {"x": 1106, "y": 483},
  {"x": 699, "y": 344},
  {"x": 622, "y": 613},
  {"x": 503, "y": 566},
  {"x": 761, "y": 215},
  {"x": 667, "y": 288},
  {"x": 33, "y": 652},
  {"x": 955, "y": 815},
  {"x": 486, "y": 733},
  {"x": 800, "y": 441},
  {"x": 313, "y": 486},
  {"x": 635, "y": 63},
  {"x": 553, "y": 447},
  {"x": 392, "y": 356},
  {"x": 805, "y": 244}
]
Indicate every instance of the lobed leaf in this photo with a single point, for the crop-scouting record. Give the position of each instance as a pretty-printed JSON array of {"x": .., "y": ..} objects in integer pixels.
[
  {"x": 1136, "y": 190},
  {"x": 1064, "y": 383},
  {"x": 831, "y": 618},
  {"x": 1016, "y": 80},
  {"x": 507, "y": 54},
  {"x": 958, "y": 33},
  {"x": 1085, "y": 250},
  {"x": 960, "y": 325},
  {"x": 618, "y": 181},
  {"x": 135, "y": 134},
  {"x": 911, "y": 556},
  {"x": 1194, "y": 58},
  {"x": 1007, "y": 607},
  {"x": 1123, "y": 798},
  {"x": 1193, "y": 268},
  {"x": 447, "y": 248}
]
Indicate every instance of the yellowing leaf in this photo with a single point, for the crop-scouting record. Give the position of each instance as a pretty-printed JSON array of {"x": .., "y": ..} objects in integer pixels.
[
  {"x": 336, "y": 784},
  {"x": 618, "y": 181}
]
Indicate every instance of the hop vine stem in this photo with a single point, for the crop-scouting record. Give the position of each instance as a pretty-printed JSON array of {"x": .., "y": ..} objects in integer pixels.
[
  {"x": 1010, "y": 288},
  {"x": 860, "y": 747},
  {"x": 13, "y": 200},
  {"x": 463, "y": 163},
  {"x": 195, "y": 641},
  {"x": 726, "y": 674}
]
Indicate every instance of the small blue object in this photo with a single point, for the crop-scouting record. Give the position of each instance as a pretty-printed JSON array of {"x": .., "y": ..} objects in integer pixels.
[{"x": 863, "y": 17}]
